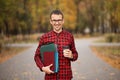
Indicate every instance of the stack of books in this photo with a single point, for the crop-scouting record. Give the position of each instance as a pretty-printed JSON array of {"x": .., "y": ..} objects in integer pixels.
[{"x": 49, "y": 55}]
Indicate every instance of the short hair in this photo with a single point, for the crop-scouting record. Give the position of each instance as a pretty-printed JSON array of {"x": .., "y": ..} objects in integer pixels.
[{"x": 58, "y": 12}]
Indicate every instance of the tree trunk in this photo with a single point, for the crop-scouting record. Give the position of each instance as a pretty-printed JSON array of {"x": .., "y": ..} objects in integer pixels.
[{"x": 6, "y": 28}]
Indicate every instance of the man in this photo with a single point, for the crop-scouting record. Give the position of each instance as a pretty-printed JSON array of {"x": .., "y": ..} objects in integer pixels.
[{"x": 61, "y": 38}]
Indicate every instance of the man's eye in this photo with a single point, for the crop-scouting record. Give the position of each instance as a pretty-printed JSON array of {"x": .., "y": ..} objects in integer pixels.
[{"x": 57, "y": 20}]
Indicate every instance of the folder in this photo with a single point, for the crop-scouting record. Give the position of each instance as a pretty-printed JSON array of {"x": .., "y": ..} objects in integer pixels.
[{"x": 49, "y": 55}]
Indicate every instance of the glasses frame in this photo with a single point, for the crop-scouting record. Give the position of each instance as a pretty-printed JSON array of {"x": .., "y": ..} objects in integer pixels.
[{"x": 58, "y": 20}]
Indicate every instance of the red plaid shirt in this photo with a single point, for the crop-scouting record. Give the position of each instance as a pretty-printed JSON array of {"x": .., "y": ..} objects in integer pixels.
[{"x": 61, "y": 39}]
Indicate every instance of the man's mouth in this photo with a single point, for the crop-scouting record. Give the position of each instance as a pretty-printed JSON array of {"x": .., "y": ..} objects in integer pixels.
[{"x": 57, "y": 25}]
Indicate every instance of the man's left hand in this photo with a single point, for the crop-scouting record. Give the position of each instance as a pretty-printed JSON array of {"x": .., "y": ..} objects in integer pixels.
[{"x": 68, "y": 53}]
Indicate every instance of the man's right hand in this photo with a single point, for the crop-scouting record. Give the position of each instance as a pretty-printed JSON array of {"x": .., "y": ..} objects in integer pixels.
[{"x": 47, "y": 70}]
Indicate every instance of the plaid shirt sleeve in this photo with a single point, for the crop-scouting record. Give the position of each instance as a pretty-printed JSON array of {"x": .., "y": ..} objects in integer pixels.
[
  {"x": 74, "y": 52},
  {"x": 37, "y": 56}
]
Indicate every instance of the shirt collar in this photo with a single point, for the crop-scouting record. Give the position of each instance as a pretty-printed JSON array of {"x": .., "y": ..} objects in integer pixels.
[{"x": 58, "y": 33}]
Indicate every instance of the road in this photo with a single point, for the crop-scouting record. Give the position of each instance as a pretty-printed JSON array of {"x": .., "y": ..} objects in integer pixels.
[{"x": 87, "y": 67}]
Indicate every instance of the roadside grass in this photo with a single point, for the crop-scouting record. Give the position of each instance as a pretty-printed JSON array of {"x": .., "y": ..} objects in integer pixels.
[
  {"x": 80, "y": 36},
  {"x": 9, "y": 52},
  {"x": 109, "y": 54},
  {"x": 32, "y": 38},
  {"x": 110, "y": 38}
]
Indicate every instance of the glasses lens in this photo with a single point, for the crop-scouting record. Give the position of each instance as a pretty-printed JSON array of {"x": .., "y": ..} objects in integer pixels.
[{"x": 59, "y": 20}]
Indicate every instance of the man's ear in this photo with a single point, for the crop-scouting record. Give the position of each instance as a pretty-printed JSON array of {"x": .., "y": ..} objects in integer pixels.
[
  {"x": 50, "y": 21},
  {"x": 63, "y": 20}
]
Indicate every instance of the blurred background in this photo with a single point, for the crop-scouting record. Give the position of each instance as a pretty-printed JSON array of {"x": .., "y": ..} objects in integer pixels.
[
  {"x": 26, "y": 20},
  {"x": 25, "y": 17},
  {"x": 22, "y": 22}
]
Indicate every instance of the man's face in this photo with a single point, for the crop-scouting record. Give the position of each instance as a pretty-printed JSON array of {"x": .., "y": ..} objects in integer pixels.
[{"x": 57, "y": 22}]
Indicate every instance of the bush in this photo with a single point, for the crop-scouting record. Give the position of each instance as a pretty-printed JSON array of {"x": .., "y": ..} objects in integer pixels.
[
  {"x": 112, "y": 37},
  {"x": 1, "y": 42},
  {"x": 1, "y": 46}
]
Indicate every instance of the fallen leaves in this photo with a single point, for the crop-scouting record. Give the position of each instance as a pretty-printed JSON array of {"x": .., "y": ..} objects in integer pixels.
[{"x": 108, "y": 55}]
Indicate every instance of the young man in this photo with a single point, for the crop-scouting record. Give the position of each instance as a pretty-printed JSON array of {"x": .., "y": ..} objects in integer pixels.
[{"x": 61, "y": 38}]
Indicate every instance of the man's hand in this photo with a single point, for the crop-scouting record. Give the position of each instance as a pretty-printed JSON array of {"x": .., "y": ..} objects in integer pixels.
[
  {"x": 47, "y": 70},
  {"x": 68, "y": 53}
]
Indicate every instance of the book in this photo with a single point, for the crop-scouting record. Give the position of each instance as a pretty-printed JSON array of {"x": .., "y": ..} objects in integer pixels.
[{"x": 49, "y": 55}]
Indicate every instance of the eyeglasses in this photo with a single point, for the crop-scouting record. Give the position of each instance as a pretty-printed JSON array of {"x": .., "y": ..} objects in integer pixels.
[{"x": 59, "y": 20}]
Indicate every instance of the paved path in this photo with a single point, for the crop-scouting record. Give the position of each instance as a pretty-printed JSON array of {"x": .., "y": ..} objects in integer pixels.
[{"x": 87, "y": 67}]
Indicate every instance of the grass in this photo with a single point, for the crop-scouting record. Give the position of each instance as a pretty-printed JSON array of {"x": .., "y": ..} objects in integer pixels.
[
  {"x": 109, "y": 54},
  {"x": 110, "y": 38},
  {"x": 8, "y": 53},
  {"x": 78, "y": 35}
]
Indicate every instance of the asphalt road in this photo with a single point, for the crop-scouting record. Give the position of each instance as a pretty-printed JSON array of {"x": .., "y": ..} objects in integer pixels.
[{"x": 87, "y": 67}]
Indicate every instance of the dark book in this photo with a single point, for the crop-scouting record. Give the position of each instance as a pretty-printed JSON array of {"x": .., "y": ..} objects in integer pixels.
[{"x": 49, "y": 55}]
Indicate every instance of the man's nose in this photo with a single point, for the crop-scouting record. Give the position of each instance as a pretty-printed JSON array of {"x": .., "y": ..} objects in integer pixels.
[{"x": 56, "y": 22}]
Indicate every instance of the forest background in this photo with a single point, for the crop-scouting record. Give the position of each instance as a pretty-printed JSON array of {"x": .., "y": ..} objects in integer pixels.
[{"x": 32, "y": 16}]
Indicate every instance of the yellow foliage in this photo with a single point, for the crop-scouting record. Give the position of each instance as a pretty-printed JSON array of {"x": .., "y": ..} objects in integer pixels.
[{"x": 69, "y": 9}]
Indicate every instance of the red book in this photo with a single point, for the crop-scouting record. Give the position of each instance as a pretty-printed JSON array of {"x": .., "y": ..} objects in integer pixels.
[{"x": 49, "y": 59}]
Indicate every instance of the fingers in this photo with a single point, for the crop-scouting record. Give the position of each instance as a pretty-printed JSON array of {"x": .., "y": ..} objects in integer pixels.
[
  {"x": 67, "y": 53},
  {"x": 47, "y": 69},
  {"x": 50, "y": 71},
  {"x": 66, "y": 50},
  {"x": 50, "y": 65}
]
